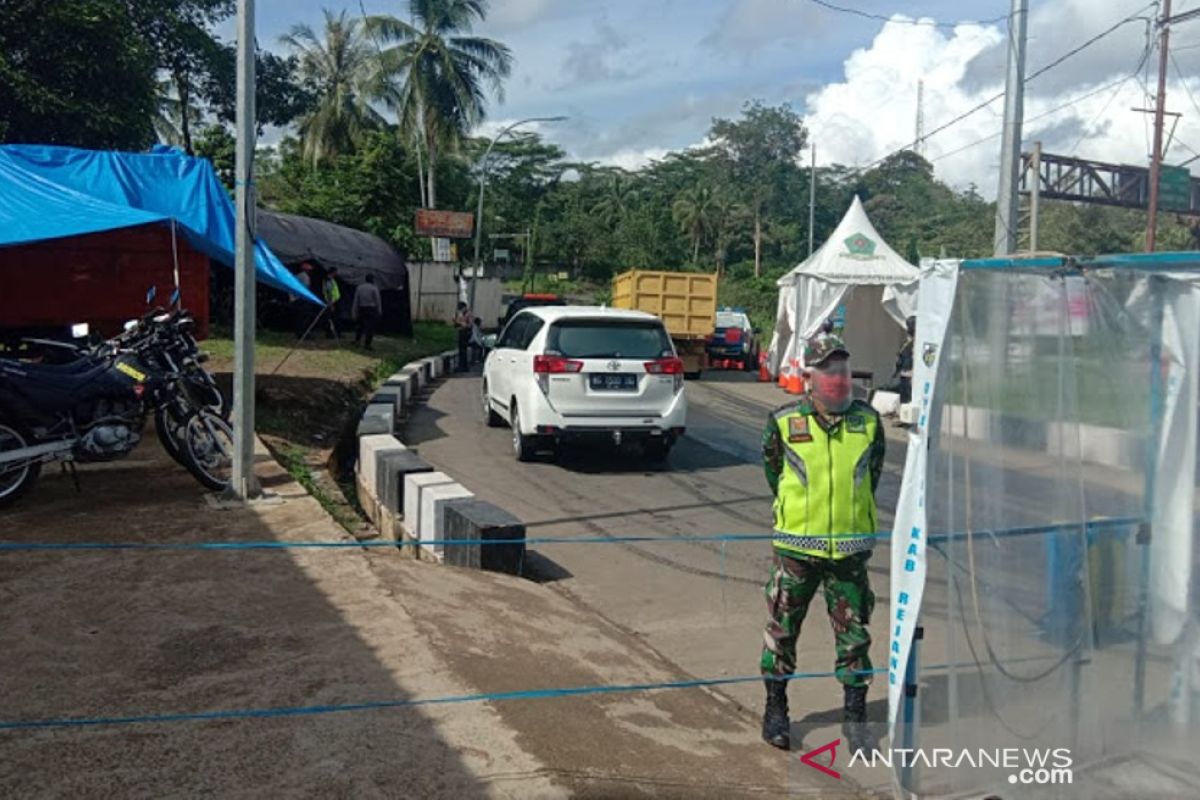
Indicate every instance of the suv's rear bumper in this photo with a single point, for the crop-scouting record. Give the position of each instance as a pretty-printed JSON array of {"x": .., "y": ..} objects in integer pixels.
[
  {"x": 613, "y": 434},
  {"x": 547, "y": 421}
]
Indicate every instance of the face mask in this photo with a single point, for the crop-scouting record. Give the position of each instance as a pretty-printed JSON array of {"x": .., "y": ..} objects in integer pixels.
[{"x": 831, "y": 386}]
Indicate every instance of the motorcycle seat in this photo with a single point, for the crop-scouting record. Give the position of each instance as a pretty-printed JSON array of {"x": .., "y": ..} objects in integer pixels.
[{"x": 63, "y": 376}]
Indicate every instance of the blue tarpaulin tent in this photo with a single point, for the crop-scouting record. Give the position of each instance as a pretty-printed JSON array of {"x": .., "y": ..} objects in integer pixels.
[{"x": 54, "y": 192}]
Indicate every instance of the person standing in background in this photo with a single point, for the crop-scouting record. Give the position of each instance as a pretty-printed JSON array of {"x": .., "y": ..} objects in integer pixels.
[
  {"x": 301, "y": 313},
  {"x": 366, "y": 311},
  {"x": 331, "y": 294},
  {"x": 463, "y": 323}
]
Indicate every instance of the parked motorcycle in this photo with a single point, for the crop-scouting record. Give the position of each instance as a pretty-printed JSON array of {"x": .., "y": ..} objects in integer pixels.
[{"x": 93, "y": 406}]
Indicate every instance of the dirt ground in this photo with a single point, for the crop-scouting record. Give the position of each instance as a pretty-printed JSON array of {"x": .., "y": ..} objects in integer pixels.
[{"x": 122, "y": 633}]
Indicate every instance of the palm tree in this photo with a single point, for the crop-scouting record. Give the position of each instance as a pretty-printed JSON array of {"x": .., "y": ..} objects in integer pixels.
[
  {"x": 171, "y": 124},
  {"x": 343, "y": 70},
  {"x": 612, "y": 207},
  {"x": 727, "y": 218},
  {"x": 693, "y": 212},
  {"x": 439, "y": 73}
]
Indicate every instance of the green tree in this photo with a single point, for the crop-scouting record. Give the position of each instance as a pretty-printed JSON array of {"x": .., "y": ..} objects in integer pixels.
[
  {"x": 178, "y": 33},
  {"x": 341, "y": 71},
  {"x": 693, "y": 212},
  {"x": 758, "y": 148},
  {"x": 75, "y": 72},
  {"x": 280, "y": 97},
  {"x": 219, "y": 146},
  {"x": 439, "y": 73}
]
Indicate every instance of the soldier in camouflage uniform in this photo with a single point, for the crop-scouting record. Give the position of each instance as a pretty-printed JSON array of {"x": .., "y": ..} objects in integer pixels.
[{"x": 823, "y": 456}]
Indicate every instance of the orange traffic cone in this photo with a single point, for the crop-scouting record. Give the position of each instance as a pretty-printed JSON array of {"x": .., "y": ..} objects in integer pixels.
[
  {"x": 795, "y": 381},
  {"x": 764, "y": 374},
  {"x": 781, "y": 378}
]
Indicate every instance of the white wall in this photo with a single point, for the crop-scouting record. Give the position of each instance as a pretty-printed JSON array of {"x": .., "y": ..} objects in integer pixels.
[{"x": 434, "y": 291}]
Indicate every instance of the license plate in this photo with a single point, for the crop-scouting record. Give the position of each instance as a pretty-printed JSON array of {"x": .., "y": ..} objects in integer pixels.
[{"x": 618, "y": 382}]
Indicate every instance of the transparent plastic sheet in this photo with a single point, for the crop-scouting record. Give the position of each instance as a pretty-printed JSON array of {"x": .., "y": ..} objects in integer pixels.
[{"x": 1037, "y": 484}]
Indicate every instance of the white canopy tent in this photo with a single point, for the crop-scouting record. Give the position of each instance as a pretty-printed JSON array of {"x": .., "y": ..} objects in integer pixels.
[{"x": 855, "y": 255}]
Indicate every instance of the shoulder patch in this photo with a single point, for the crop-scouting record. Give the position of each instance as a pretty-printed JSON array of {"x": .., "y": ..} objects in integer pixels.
[{"x": 856, "y": 423}]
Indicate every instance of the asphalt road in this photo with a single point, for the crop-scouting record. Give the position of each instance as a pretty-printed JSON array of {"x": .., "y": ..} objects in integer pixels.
[{"x": 699, "y": 604}]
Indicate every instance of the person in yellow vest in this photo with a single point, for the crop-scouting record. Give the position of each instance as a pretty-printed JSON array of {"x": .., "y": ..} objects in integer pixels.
[{"x": 823, "y": 456}]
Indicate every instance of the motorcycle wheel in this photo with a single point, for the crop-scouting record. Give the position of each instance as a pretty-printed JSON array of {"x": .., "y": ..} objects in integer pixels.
[
  {"x": 208, "y": 395},
  {"x": 15, "y": 481},
  {"x": 208, "y": 445},
  {"x": 169, "y": 427}
]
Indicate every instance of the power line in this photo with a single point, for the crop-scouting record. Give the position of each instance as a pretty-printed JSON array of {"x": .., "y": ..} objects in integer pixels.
[
  {"x": 1136, "y": 71},
  {"x": 1073, "y": 101},
  {"x": 930, "y": 23},
  {"x": 970, "y": 112},
  {"x": 1187, "y": 90}
]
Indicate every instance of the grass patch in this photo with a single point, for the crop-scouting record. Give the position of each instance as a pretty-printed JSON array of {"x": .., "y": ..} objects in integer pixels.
[
  {"x": 308, "y": 397},
  {"x": 295, "y": 460}
]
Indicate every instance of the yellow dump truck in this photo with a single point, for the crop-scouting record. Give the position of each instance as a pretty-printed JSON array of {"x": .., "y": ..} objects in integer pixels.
[{"x": 686, "y": 302}]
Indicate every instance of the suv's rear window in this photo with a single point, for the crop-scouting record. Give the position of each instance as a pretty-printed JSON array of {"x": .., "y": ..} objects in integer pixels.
[
  {"x": 730, "y": 319},
  {"x": 600, "y": 339}
]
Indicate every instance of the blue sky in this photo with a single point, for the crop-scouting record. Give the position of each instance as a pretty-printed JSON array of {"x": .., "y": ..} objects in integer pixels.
[{"x": 640, "y": 77}]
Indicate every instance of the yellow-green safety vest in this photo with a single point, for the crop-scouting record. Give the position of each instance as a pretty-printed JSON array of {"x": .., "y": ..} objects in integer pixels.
[{"x": 825, "y": 503}]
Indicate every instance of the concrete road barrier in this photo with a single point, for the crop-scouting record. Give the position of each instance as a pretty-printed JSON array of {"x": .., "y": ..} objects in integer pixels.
[
  {"x": 478, "y": 521},
  {"x": 377, "y": 418},
  {"x": 370, "y": 449},
  {"x": 414, "y": 486},
  {"x": 390, "y": 395},
  {"x": 432, "y": 520},
  {"x": 391, "y": 470}
]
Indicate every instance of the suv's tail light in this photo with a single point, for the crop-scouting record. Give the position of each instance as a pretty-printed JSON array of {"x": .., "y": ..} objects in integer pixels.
[
  {"x": 665, "y": 366},
  {"x": 555, "y": 365}
]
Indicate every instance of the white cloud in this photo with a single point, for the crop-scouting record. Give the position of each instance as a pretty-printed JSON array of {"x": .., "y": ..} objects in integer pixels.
[
  {"x": 750, "y": 24},
  {"x": 632, "y": 159},
  {"x": 516, "y": 14},
  {"x": 872, "y": 111}
]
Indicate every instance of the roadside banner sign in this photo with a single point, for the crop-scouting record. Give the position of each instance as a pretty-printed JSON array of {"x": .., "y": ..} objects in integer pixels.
[{"x": 444, "y": 224}]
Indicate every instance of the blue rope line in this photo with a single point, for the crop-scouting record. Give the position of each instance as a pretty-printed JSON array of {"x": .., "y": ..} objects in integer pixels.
[
  {"x": 272, "y": 545},
  {"x": 524, "y": 694},
  {"x": 1097, "y": 523},
  {"x": 303, "y": 711}
]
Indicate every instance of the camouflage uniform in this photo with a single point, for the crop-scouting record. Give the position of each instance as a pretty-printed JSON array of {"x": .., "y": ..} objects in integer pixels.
[{"x": 795, "y": 578}]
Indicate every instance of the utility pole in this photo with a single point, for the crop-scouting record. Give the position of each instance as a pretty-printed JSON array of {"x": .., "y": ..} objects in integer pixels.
[
  {"x": 1010, "y": 150},
  {"x": 483, "y": 164},
  {"x": 919, "y": 138},
  {"x": 243, "y": 484},
  {"x": 812, "y": 198},
  {"x": 1035, "y": 195},
  {"x": 1159, "y": 107}
]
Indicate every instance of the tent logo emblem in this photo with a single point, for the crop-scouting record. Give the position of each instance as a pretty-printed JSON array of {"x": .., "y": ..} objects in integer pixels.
[
  {"x": 929, "y": 355},
  {"x": 860, "y": 246}
]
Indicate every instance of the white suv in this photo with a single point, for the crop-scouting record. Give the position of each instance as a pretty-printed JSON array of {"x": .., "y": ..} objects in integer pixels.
[{"x": 564, "y": 373}]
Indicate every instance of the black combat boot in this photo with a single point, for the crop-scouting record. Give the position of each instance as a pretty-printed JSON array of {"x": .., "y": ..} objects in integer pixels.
[
  {"x": 854, "y": 725},
  {"x": 776, "y": 728}
]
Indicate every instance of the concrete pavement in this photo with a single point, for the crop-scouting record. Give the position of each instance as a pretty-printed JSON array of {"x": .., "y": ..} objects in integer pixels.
[{"x": 130, "y": 633}]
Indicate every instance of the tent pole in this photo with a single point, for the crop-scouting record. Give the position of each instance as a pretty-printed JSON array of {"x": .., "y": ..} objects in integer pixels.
[
  {"x": 1153, "y": 447},
  {"x": 812, "y": 198},
  {"x": 177, "y": 295},
  {"x": 243, "y": 483}
]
